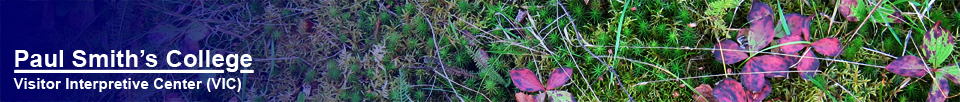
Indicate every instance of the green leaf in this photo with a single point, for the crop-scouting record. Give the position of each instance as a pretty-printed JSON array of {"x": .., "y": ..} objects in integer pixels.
[
  {"x": 783, "y": 22},
  {"x": 952, "y": 72},
  {"x": 560, "y": 96},
  {"x": 937, "y": 45},
  {"x": 302, "y": 97},
  {"x": 885, "y": 13}
]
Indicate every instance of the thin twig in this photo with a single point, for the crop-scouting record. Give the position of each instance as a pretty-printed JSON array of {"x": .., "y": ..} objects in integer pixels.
[
  {"x": 655, "y": 66},
  {"x": 881, "y": 53},
  {"x": 865, "y": 20},
  {"x": 716, "y": 75},
  {"x": 747, "y": 51},
  {"x": 437, "y": 49},
  {"x": 609, "y": 68},
  {"x": 567, "y": 43}
]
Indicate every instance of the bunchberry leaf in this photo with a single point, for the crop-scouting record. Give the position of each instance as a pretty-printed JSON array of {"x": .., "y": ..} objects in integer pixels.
[
  {"x": 937, "y": 44},
  {"x": 761, "y": 22},
  {"x": 790, "y": 60},
  {"x": 559, "y": 77},
  {"x": 525, "y": 80},
  {"x": 827, "y": 46},
  {"x": 732, "y": 53},
  {"x": 909, "y": 65},
  {"x": 767, "y": 63},
  {"x": 793, "y": 48},
  {"x": 730, "y": 90},
  {"x": 521, "y": 97},
  {"x": 952, "y": 73},
  {"x": 755, "y": 82},
  {"x": 758, "y": 96},
  {"x": 799, "y": 25},
  {"x": 560, "y": 96},
  {"x": 939, "y": 89},
  {"x": 707, "y": 93},
  {"x": 846, "y": 9},
  {"x": 808, "y": 64},
  {"x": 885, "y": 13}
]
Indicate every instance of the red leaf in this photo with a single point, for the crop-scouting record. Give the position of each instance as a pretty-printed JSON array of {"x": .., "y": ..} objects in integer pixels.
[
  {"x": 793, "y": 48},
  {"x": 799, "y": 25},
  {"x": 790, "y": 60},
  {"x": 761, "y": 30},
  {"x": 765, "y": 63},
  {"x": 759, "y": 10},
  {"x": 808, "y": 64},
  {"x": 846, "y": 9},
  {"x": 521, "y": 97},
  {"x": 707, "y": 93},
  {"x": 559, "y": 77},
  {"x": 730, "y": 90},
  {"x": 525, "y": 80},
  {"x": 827, "y": 46},
  {"x": 939, "y": 90},
  {"x": 909, "y": 65},
  {"x": 762, "y": 94},
  {"x": 729, "y": 57}
]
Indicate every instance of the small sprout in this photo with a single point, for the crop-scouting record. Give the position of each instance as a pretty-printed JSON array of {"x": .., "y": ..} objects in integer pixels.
[
  {"x": 525, "y": 80},
  {"x": 692, "y": 25}
]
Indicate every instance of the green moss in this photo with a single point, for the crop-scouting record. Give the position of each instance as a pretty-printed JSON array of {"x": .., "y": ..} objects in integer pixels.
[
  {"x": 333, "y": 72},
  {"x": 853, "y": 48}
]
